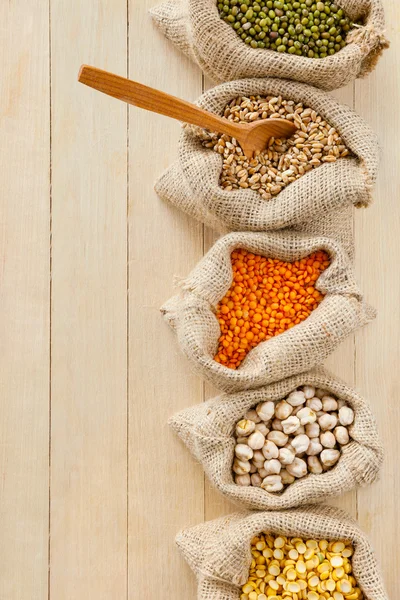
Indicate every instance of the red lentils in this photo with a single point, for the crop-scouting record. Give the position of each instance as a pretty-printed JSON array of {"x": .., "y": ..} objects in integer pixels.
[{"x": 266, "y": 298}]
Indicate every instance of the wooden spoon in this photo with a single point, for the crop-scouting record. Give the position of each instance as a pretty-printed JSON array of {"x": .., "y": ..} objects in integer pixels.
[{"x": 252, "y": 137}]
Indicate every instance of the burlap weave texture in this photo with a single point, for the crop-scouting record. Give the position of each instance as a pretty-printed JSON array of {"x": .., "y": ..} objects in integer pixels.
[
  {"x": 207, "y": 429},
  {"x": 196, "y": 28},
  {"x": 219, "y": 551},
  {"x": 192, "y": 312},
  {"x": 192, "y": 182}
]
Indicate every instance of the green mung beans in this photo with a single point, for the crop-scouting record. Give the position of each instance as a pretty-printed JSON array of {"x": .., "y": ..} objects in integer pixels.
[{"x": 309, "y": 28}]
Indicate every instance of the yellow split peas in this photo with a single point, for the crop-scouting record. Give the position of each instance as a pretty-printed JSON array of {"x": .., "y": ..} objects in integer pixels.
[
  {"x": 267, "y": 297},
  {"x": 299, "y": 569}
]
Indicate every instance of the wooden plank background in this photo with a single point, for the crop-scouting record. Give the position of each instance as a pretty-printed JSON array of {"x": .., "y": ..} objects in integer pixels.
[{"x": 93, "y": 484}]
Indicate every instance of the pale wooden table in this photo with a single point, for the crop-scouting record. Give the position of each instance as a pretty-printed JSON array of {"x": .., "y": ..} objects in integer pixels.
[{"x": 93, "y": 485}]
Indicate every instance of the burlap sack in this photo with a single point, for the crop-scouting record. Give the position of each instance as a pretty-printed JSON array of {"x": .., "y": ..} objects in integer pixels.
[
  {"x": 192, "y": 313},
  {"x": 219, "y": 551},
  {"x": 192, "y": 182},
  {"x": 196, "y": 28},
  {"x": 208, "y": 431}
]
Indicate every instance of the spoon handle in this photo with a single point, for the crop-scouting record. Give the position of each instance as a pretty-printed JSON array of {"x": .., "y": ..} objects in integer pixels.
[{"x": 153, "y": 100}]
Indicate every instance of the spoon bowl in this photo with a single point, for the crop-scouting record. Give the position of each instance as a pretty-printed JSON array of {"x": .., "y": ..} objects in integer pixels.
[{"x": 254, "y": 137}]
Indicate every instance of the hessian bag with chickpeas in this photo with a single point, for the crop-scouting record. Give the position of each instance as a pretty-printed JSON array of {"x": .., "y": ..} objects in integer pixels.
[
  {"x": 196, "y": 28},
  {"x": 320, "y": 201},
  {"x": 191, "y": 313},
  {"x": 208, "y": 431},
  {"x": 219, "y": 551}
]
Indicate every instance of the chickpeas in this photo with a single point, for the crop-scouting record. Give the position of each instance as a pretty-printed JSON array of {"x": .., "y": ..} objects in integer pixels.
[
  {"x": 272, "y": 483},
  {"x": 267, "y": 297},
  {"x": 270, "y": 450},
  {"x": 245, "y": 427},
  {"x": 329, "y": 457},
  {"x": 283, "y": 567},
  {"x": 291, "y": 440},
  {"x": 298, "y": 468},
  {"x": 244, "y": 452},
  {"x": 265, "y": 410},
  {"x": 290, "y": 425},
  {"x": 256, "y": 440},
  {"x": 346, "y": 415},
  {"x": 283, "y": 410}
]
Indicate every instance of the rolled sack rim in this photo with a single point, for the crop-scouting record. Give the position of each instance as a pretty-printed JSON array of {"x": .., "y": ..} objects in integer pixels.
[{"x": 365, "y": 38}]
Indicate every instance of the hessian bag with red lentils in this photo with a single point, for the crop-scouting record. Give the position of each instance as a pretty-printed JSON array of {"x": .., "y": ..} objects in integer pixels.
[
  {"x": 219, "y": 551},
  {"x": 320, "y": 201},
  {"x": 196, "y": 28},
  {"x": 192, "y": 313}
]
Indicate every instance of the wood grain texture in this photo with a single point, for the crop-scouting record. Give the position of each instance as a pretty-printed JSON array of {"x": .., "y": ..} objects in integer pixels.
[
  {"x": 121, "y": 484},
  {"x": 88, "y": 526},
  {"x": 24, "y": 300},
  {"x": 378, "y": 348},
  {"x": 166, "y": 487},
  {"x": 342, "y": 361}
]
